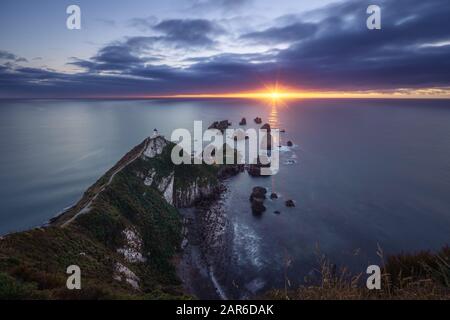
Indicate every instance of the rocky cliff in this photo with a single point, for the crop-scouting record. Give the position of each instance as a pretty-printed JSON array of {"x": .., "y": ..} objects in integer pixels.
[{"x": 123, "y": 233}]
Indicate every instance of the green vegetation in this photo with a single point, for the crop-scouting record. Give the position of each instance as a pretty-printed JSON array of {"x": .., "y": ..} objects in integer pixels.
[
  {"x": 33, "y": 263},
  {"x": 121, "y": 214}
]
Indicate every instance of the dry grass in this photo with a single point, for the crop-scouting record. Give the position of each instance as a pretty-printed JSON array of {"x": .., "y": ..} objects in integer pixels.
[{"x": 421, "y": 276}]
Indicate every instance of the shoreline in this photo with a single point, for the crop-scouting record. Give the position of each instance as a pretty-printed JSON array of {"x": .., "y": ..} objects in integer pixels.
[{"x": 206, "y": 239}]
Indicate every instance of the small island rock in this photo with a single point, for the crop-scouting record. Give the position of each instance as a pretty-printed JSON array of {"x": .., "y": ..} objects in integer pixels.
[
  {"x": 266, "y": 127},
  {"x": 290, "y": 203}
]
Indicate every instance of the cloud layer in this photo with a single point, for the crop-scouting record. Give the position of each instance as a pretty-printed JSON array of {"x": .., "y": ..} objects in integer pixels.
[{"x": 327, "y": 49}]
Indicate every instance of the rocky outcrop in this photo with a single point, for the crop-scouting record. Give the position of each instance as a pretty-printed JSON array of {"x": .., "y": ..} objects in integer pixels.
[
  {"x": 148, "y": 179},
  {"x": 258, "y": 193},
  {"x": 228, "y": 171},
  {"x": 258, "y": 207},
  {"x": 255, "y": 169},
  {"x": 166, "y": 187},
  {"x": 194, "y": 192},
  {"x": 290, "y": 203},
  {"x": 216, "y": 234},
  {"x": 257, "y": 200},
  {"x": 132, "y": 250},
  {"x": 125, "y": 219},
  {"x": 155, "y": 146},
  {"x": 220, "y": 125},
  {"x": 123, "y": 273},
  {"x": 266, "y": 127}
]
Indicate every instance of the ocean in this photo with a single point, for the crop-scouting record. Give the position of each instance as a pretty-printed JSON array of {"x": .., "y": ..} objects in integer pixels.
[{"x": 364, "y": 174}]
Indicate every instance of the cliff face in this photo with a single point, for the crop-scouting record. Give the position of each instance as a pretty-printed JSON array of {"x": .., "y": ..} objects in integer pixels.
[
  {"x": 123, "y": 233},
  {"x": 180, "y": 185},
  {"x": 194, "y": 191}
]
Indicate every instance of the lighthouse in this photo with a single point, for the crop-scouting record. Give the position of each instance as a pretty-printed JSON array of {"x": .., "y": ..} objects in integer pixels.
[{"x": 155, "y": 133}]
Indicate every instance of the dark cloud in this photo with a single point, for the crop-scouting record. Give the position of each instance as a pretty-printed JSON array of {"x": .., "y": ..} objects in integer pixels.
[
  {"x": 346, "y": 54},
  {"x": 5, "y": 55},
  {"x": 116, "y": 57},
  {"x": 143, "y": 24},
  {"x": 130, "y": 54},
  {"x": 116, "y": 54},
  {"x": 177, "y": 32},
  {"x": 291, "y": 33},
  {"x": 222, "y": 5},
  {"x": 335, "y": 52},
  {"x": 195, "y": 32}
]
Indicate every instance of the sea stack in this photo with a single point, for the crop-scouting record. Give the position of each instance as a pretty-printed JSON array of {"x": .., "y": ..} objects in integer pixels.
[
  {"x": 220, "y": 125},
  {"x": 290, "y": 203},
  {"x": 266, "y": 127},
  {"x": 255, "y": 169},
  {"x": 257, "y": 199}
]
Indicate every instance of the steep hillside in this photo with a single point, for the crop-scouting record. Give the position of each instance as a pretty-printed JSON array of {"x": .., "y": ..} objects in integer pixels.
[{"x": 123, "y": 233}]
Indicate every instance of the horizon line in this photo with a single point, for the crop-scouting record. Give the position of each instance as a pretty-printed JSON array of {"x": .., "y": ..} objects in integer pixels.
[
  {"x": 272, "y": 94},
  {"x": 279, "y": 92}
]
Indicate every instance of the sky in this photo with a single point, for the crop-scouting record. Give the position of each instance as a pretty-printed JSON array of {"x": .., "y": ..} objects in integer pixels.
[{"x": 144, "y": 48}]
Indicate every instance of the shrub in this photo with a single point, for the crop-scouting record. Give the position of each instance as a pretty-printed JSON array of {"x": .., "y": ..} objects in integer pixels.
[{"x": 10, "y": 289}]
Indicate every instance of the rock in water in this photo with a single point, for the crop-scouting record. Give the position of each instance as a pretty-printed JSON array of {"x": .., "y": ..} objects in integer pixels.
[
  {"x": 255, "y": 169},
  {"x": 258, "y": 120},
  {"x": 220, "y": 125},
  {"x": 273, "y": 195},
  {"x": 266, "y": 127},
  {"x": 258, "y": 207},
  {"x": 258, "y": 193},
  {"x": 243, "y": 122},
  {"x": 289, "y": 143},
  {"x": 290, "y": 203},
  {"x": 257, "y": 199}
]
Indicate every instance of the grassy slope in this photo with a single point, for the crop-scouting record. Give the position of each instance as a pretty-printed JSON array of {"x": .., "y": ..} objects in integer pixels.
[
  {"x": 33, "y": 263},
  {"x": 423, "y": 275}
]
